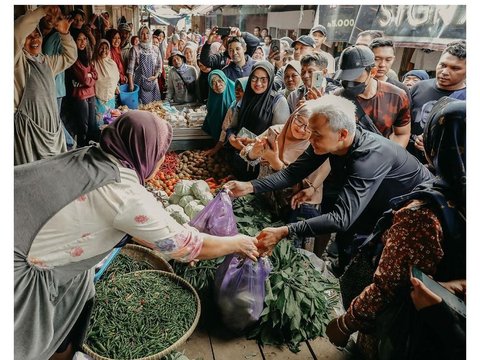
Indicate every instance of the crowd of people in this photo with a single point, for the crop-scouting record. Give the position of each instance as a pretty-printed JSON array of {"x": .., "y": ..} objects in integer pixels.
[{"x": 332, "y": 144}]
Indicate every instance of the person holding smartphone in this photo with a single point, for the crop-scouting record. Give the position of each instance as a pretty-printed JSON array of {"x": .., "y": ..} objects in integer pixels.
[
  {"x": 310, "y": 64},
  {"x": 220, "y": 60},
  {"x": 427, "y": 228}
]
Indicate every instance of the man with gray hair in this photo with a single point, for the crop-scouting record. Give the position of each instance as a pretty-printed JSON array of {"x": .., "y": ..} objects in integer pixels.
[{"x": 371, "y": 170}]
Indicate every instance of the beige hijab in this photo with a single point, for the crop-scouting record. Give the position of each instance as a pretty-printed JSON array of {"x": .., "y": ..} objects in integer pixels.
[
  {"x": 290, "y": 148},
  {"x": 108, "y": 75}
]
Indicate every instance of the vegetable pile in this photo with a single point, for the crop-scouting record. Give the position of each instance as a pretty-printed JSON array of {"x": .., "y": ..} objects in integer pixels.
[
  {"x": 139, "y": 314},
  {"x": 191, "y": 165},
  {"x": 124, "y": 264},
  {"x": 197, "y": 165},
  {"x": 188, "y": 199},
  {"x": 299, "y": 300},
  {"x": 155, "y": 107},
  {"x": 253, "y": 215}
]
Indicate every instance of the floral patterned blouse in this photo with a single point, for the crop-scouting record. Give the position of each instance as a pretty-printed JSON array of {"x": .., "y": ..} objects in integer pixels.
[
  {"x": 95, "y": 222},
  {"x": 415, "y": 238}
]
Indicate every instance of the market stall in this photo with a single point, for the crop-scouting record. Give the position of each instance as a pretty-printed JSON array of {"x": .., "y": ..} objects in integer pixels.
[{"x": 186, "y": 121}]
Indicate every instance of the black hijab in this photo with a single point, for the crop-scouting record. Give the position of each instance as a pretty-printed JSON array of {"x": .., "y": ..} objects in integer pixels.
[{"x": 256, "y": 111}]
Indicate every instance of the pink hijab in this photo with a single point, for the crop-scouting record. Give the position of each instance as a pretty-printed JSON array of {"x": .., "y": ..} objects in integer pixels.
[{"x": 138, "y": 139}]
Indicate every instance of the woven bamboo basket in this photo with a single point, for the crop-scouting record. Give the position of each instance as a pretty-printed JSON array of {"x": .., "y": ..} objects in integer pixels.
[
  {"x": 177, "y": 343},
  {"x": 153, "y": 258}
]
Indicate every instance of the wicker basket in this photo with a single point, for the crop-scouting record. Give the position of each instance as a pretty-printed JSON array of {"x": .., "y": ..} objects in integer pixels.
[
  {"x": 153, "y": 258},
  {"x": 176, "y": 344}
]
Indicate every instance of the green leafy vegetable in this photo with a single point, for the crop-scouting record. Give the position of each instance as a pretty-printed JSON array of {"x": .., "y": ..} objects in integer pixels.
[{"x": 298, "y": 302}]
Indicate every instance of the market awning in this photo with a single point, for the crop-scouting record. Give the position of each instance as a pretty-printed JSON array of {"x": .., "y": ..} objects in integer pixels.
[{"x": 164, "y": 19}]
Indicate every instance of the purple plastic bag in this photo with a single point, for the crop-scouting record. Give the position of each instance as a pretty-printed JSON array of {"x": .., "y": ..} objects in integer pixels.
[
  {"x": 217, "y": 217},
  {"x": 240, "y": 290}
]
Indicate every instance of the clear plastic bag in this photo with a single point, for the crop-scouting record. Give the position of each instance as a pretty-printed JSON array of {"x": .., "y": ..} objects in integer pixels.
[
  {"x": 217, "y": 217},
  {"x": 240, "y": 291}
]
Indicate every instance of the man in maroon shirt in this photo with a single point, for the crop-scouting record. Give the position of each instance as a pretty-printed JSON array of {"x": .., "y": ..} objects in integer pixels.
[{"x": 381, "y": 107}]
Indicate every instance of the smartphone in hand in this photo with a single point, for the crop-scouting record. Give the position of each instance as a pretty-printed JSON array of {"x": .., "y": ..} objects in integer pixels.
[
  {"x": 453, "y": 301},
  {"x": 317, "y": 81},
  {"x": 271, "y": 137},
  {"x": 223, "y": 31}
]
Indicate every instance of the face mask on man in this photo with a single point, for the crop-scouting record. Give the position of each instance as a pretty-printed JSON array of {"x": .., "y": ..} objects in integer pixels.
[{"x": 354, "y": 88}]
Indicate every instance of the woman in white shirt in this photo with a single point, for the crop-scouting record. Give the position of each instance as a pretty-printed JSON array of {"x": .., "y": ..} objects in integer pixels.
[{"x": 71, "y": 210}]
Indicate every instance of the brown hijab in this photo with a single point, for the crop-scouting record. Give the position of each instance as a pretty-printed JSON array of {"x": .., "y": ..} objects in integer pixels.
[{"x": 138, "y": 139}]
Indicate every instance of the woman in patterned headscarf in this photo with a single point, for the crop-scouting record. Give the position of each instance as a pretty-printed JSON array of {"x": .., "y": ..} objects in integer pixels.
[
  {"x": 426, "y": 229},
  {"x": 84, "y": 203},
  {"x": 144, "y": 67}
]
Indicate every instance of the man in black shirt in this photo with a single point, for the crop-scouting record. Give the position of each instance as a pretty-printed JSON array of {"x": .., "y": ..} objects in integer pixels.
[
  {"x": 371, "y": 168},
  {"x": 450, "y": 80}
]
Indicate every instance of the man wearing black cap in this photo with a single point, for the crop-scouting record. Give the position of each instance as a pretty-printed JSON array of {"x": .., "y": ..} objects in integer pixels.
[
  {"x": 381, "y": 107},
  {"x": 302, "y": 46},
  {"x": 319, "y": 34}
]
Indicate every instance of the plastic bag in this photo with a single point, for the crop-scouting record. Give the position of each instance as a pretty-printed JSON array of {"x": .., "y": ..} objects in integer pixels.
[
  {"x": 240, "y": 291},
  {"x": 217, "y": 217}
]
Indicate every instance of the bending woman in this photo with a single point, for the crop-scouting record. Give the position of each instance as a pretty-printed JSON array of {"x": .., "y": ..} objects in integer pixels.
[{"x": 70, "y": 212}]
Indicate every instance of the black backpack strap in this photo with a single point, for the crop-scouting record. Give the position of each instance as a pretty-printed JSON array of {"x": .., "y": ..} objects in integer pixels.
[{"x": 363, "y": 119}]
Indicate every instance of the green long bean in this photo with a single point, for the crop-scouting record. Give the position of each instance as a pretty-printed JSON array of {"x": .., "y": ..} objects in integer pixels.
[{"x": 139, "y": 314}]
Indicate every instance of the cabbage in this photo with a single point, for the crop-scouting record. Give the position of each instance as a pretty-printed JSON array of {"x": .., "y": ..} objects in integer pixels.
[
  {"x": 205, "y": 198},
  {"x": 193, "y": 208},
  {"x": 174, "y": 208},
  {"x": 180, "y": 217},
  {"x": 174, "y": 198},
  {"x": 185, "y": 200},
  {"x": 177, "y": 213},
  {"x": 200, "y": 187},
  {"x": 183, "y": 187}
]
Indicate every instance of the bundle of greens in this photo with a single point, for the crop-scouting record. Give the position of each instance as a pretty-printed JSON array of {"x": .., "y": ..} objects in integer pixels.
[
  {"x": 201, "y": 275},
  {"x": 253, "y": 216},
  {"x": 298, "y": 303}
]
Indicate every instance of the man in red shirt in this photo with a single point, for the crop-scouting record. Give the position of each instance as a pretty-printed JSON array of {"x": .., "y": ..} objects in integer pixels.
[{"x": 381, "y": 107}]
